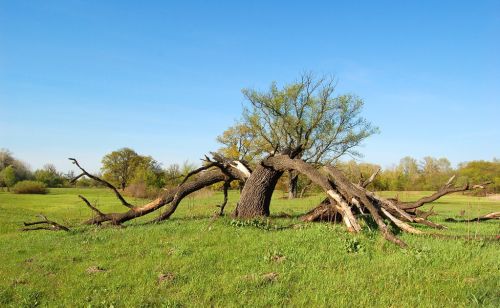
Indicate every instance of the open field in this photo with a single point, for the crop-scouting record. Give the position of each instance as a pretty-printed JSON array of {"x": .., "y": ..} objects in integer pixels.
[{"x": 192, "y": 260}]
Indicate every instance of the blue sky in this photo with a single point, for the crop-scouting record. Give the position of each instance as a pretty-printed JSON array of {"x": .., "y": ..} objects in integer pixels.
[{"x": 83, "y": 78}]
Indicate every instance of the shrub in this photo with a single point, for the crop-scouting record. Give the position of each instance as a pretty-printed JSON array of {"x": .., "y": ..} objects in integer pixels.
[
  {"x": 141, "y": 190},
  {"x": 30, "y": 187}
]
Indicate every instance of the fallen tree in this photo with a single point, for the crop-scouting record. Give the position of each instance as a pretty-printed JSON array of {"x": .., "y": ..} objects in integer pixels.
[{"x": 345, "y": 202}]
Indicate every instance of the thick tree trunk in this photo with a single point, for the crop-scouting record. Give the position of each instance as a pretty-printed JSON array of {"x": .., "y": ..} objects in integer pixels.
[
  {"x": 257, "y": 192},
  {"x": 293, "y": 181}
]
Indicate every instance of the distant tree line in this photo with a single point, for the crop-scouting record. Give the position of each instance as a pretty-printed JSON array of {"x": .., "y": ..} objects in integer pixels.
[
  {"x": 13, "y": 171},
  {"x": 137, "y": 175},
  {"x": 410, "y": 174},
  {"x": 142, "y": 176},
  {"x": 428, "y": 173}
]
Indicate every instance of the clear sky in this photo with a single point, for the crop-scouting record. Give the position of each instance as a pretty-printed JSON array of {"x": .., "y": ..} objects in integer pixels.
[{"x": 83, "y": 78}]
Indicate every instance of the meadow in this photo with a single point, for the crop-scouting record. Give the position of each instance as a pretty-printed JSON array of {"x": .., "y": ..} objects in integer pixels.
[{"x": 196, "y": 260}]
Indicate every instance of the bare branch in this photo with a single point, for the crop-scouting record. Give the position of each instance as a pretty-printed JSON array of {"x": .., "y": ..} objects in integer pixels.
[
  {"x": 93, "y": 208},
  {"x": 196, "y": 171},
  {"x": 226, "y": 186},
  {"x": 106, "y": 183},
  {"x": 48, "y": 225},
  {"x": 490, "y": 216},
  {"x": 445, "y": 190},
  {"x": 370, "y": 179}
]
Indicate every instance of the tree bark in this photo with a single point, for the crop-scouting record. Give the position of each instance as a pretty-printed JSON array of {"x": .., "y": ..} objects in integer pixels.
[
  {"x": 256, "y": 195},
  {"x": 323, "y": 212},
  {"x": 293, "y": 181}
]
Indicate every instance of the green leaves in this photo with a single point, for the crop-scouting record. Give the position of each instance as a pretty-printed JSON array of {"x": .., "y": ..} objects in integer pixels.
[{"x": 303, "y": 114}]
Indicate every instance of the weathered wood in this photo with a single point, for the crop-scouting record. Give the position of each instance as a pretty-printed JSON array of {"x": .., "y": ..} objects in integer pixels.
[
  {"x": 444, "y": 190},
  {"x": 98, "y": 179},
  {"x": 255, "y": 198},
  {"x": 489, "y": 216},
  {"x": 44, "y": 224}
]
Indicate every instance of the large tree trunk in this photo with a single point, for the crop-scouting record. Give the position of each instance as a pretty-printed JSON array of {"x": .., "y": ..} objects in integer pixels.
[
  {"x": 256, "y": 194},
  {"x": 293, "y": 181}
]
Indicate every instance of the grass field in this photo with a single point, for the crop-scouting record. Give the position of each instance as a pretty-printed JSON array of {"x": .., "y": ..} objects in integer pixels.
[{"x": 192, "y": 260}]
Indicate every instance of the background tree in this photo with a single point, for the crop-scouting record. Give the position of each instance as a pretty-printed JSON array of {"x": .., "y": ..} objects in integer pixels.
[
  {"x": 239, "y": 143},
  {"x": 6, "y": 159},
  {"x": 304, "y": 116},
  {"x": 8, "y": 177},
  {"x": 49, "y": 176},
  {"x": 121, "y": 166},
  {"x": 481, "y": 170},
  {"x": 12, "y": 170}
]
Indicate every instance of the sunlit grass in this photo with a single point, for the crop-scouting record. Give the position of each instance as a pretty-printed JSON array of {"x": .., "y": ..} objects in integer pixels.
[{"x": 193, "y": 260}]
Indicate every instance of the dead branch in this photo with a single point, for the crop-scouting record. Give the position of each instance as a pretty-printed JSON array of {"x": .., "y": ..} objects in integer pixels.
[
  {"x": 284, "y": 163},
  {"x": 93, "y": 208},
  {"x": 490, "y": 216},
  {"x": 323, "y": 212},
  {"x": 209, "y": 165},
  {"x": 429, "y": 223},
  {"x": 227, "y": 185},
  {"x": 444, "y": 190},
  {"x": 106, "y": 183},
  {"x": 47, "y": 225},
  {"x": 348, "y": 189},
  {"x": 370, "y": 179}
]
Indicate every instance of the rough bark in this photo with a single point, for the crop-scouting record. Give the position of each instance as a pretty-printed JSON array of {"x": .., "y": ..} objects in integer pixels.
[
  {"x": 323, "y": 212},
  {"x": 256, "y": 195},
  {"x": 283, "y": 163}
]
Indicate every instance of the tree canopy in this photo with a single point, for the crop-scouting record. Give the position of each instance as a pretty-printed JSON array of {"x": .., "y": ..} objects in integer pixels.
[
  {"x": 305, "y": 119},
  {"x": 304, "y": 115},
  {"x": 120, "y": 167}
]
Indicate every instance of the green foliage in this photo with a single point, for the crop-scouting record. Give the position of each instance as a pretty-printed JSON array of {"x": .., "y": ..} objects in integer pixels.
[
  {"x": 174, "y": 174},
  {"x": 50, "y": 176},
  {"x": 142, "y": 190},
  {"x": 238, "y": 141},
  {"x": 11, "y": 169},
  {"x": 264, "y": 224},
  {"x": 353, "y": 245},
  {"x": 6, "y": 159},
  {"x": 216, "y": 264},
  {"x": 427, "y": 174},
  {"x": 302, "y": 114},
  {"x": 8, "y": 177},
  {"x": 86, "y": 182},
  {"x": 30, "y": 187},
  {"x": 125, "y": 166},
  {"x": 481, "y": 171}
]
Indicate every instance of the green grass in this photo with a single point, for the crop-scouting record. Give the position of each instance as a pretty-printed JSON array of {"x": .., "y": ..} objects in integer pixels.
[{"x": 221, "y": 263}]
